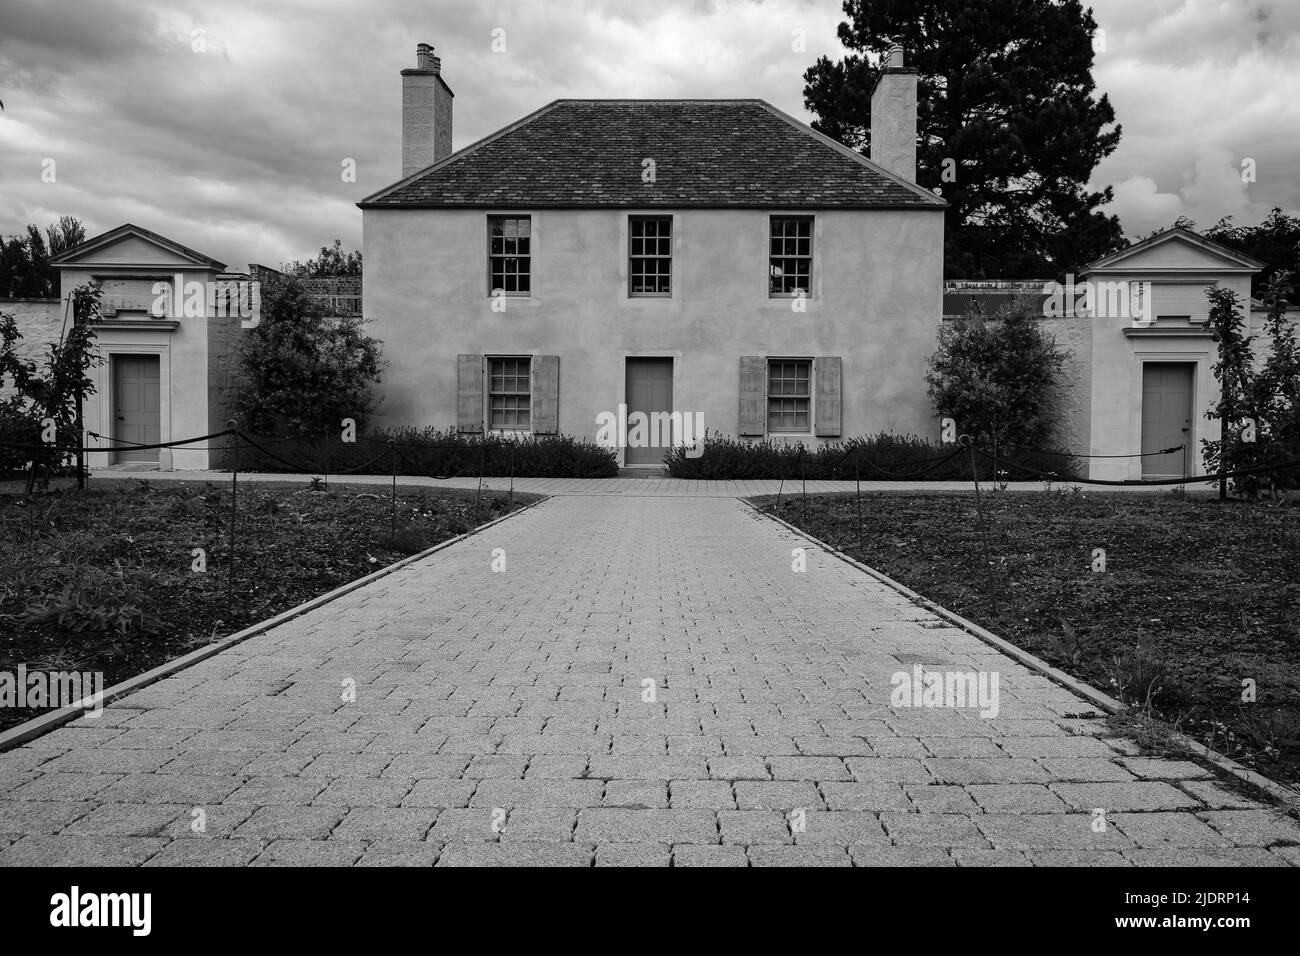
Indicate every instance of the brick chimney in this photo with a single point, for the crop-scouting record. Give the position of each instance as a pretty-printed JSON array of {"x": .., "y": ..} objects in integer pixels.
[
  {"x": 893, "y": 116},
  {"x": 426, "y": 113}
]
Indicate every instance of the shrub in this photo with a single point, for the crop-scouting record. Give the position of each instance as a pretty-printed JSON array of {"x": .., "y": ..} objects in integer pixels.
[
  {"x": 436, "y": 453},
  {"x": 883, "y": 457},
  {"x": 996, "y": 377},
  {"x": 304, "y": 371}
]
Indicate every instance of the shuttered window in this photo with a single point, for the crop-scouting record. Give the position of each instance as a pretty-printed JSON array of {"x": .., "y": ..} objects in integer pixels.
[
  {"x": 789, "y": 395},
  {"x": 509, "y": 394}
]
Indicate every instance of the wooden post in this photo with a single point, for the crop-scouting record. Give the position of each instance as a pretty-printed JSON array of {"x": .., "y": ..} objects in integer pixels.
[{"x": 234, "y": 514}]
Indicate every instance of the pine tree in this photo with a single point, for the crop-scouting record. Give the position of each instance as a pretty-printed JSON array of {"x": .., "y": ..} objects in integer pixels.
[{"x": 1006, "y": 91}]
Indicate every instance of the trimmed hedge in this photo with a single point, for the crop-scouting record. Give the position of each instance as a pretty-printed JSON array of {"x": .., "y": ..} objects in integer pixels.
[
  {"x": 434, "y": 453},
  {"x": 883, "y": 457}
]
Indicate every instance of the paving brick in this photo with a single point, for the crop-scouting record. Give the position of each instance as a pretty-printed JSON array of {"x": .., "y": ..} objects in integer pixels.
[
  {"x": 194, "y": 790},
  {"x": 1239, "y": 856},
  {"x": 405, "y": 853},
  {"x": 739, "y": 768},
  {"x": 646, "y": 826},
  {"x": 864, "y": 796},
  {"x": 66, "y": 787},
  {"x": 633, "y": 854},
  {"x": 439, "y": 793},
  {"x": 69, "y": 850},
  {"x": 290, "y": 823},
  {"x": 538, "y": 793},
  {"x": 278, "y": 791},
  {"x": 940, "y": 798},
  {"x": 473, "y": 824},
  {"x": 515, "y": 854},
  {"x": 208, "y": 853},
  {"x": 777, "y": 795},
  {"x": 838, "y": 827},
  {"x": 1078, "y": 858},
  {"x": 126, "y": 820},
  {"x": 869, "y": 854},
  {"x": 975, "y": 770},
  {"x": 888, "y": 770},
  {"x": 540, "y": 824},
  {"x": 1217, "y": 797},
  {"x": 976, "y": 857},
  {"x": 363, "y": 792},
  {"x": 1254, "y": 827},
  {"x": 686, "y": 854},
  {"x": 1017, "y": 798},
  {"x": 377, "y": 823},
  {"x": 1118, "y": 797},
  {"x": 642, "y": 794},
  {"x": 1148, "y": 768},
  {"x": 798, "y": 856},
  {"x": 1085, "y": 769},
  {"x": 310, "y": 853},
  {"x": 747, "y": 827},
  {"x": 556, "y": 767},
  {"x": 932, "y": 830},
  {"x": 1049, "y": 831}
]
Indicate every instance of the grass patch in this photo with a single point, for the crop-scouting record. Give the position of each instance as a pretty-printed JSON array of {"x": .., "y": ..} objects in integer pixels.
[
  {"x": 1196, "y": 596},
  {"x": 104, "y": 580}
]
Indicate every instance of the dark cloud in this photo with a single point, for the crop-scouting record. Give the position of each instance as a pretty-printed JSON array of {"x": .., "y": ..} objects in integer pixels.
[{"x": 236, "y": 148}]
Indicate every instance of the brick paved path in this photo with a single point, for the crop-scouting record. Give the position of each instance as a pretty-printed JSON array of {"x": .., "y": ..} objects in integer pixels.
[{"x": 499, "y": 719}]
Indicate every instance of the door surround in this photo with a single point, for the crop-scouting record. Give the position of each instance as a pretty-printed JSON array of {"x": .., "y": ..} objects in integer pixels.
[
  {"x": 100, "y": 410},
  {"x": 1201, "y": 389}
]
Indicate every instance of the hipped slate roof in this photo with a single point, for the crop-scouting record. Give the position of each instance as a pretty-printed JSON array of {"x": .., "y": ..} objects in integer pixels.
[{"x": 707, "y": 153}]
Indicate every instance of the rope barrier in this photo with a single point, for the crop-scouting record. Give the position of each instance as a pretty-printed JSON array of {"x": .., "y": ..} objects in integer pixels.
[
  {"x": 1136, "y": 483},
  {"x": 480, "y": 447}
]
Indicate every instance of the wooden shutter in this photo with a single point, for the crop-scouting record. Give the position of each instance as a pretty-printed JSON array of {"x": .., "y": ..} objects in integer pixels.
[
  {"x": 469, "y": 394},
  {"x": 828, "y": 372},
  {"x": 753, "y": 395},
  {"x": 546, "y": 395}
]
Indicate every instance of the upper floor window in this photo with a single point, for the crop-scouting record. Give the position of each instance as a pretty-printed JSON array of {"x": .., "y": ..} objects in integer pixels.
[
  {"x": 789, "y": 395},
  {"x": 510, "y": 269},
  {"x": 790, "y": 256},
  {"x": 509, "y": 393},
  {"x": 650, "y": 255}
]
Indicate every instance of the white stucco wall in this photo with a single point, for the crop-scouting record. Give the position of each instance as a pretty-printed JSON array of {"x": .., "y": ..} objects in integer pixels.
[
  {"x": 182, "y": 351},
  {"x": 876, "y": 302},
  {"x": 1117, "y": 360}
]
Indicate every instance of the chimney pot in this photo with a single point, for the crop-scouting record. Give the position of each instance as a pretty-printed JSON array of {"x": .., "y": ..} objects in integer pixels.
[
  {"x": 425, "y": 59},
  {"x": 895, "y": 59}
]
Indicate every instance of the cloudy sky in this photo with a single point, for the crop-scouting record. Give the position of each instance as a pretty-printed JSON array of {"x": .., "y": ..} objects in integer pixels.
[{"x": 226, "y": 125}]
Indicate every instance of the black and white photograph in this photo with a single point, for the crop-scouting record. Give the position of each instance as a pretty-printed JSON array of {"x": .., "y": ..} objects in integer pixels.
[{"x": 708, "y": 433}]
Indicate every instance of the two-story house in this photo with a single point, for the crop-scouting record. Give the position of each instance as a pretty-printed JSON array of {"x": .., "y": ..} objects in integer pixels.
[{"x": 604, "y": 258}]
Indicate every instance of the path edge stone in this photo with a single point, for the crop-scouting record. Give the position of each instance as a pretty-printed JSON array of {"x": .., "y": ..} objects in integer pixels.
[
  {"x": 1285, "y": 795},
  {"x": 39, "y": 726}
]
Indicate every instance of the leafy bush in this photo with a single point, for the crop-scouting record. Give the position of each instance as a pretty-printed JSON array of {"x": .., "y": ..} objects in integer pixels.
[
  {"x": 19, "y": 427},
  {"x": 302, "y": 370},
  {"x": 1258, "y": 408},
  {"x": 53, "y": 390},
  {"x": 996, "y": 376},
  {"x": 435, "y": 453},
  {"x": 883, "y": 457}
]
